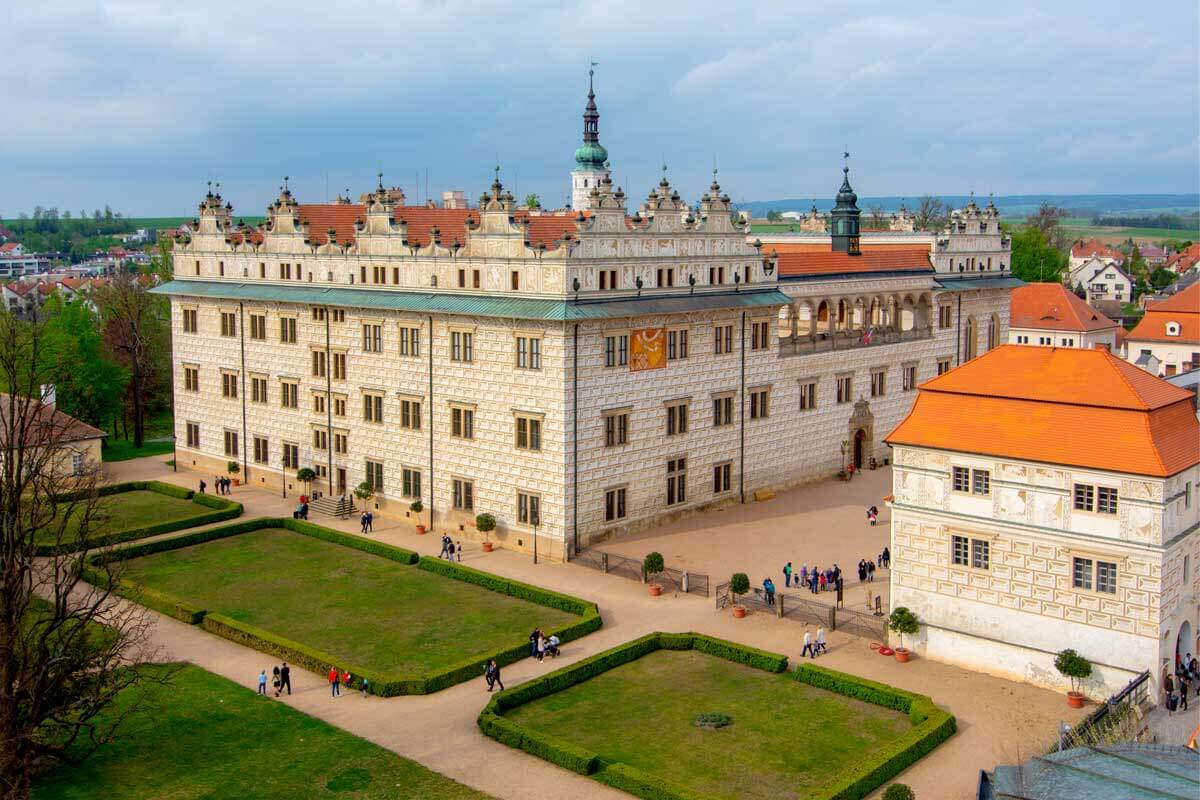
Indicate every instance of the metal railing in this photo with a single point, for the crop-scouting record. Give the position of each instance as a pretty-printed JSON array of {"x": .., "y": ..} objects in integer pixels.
[
  {"x": 615, "y": 564},
  {"x": 1091, "y": 730}
]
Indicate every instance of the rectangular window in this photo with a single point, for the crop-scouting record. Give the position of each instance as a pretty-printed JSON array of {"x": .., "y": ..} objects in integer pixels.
[
  {"x": 759, "y": 335},
  {"x": 462, "y": 346},
  {"x": 676, "y": 481},
  {"x": 410, "y": 341},
  {"x": 341, "y": 443},
  {"x": 258, "y": 326},
  {"x": 529, "y": 433},
  {"x": 410, "y": 414},
  {"x": 287, "y": 330},
  {"x": 372, "y": 338},
  {"x": 960, "y": 550},
  {"x": 319, "y": 403},
  {"x": 910, "y": 377},
  {"x": 258, "y": 390},
  {"x": 529, "y": 509},
  {"x": 616, "y": 350},
  {"x": 262, "y": 269},
  {"x": 515, "y": 281},
  {"x": 320, "y": 439},
  {"x": 980, "y": 553},
  {"x": 666, "y": 277},
  {"x": 318, "y": 363},
  {"x": 981, "y": 481},
  {"x": 339, "y": 315},
  {"x": 722, "y": 339},
  {"x": 291, "y": 455},
  {"x": 228, "y": 323},
  {"x": 410, "y": 482},
  {"x": 463, "y": 494},
  {"x": 285, "y": 271},
  {"x": 474, "y": 279},
  {"x": 231, "y": 443},
  {"x": 462, "y": 279},
  {"x": 339, "y": 366},
  {"x": 614, "y": 503},
  {"x": 608, "y": 279},
  {"x": 677, "y": 344},
  {"x": 378, "y": 274},
  {"x": 372, "y": 408},
  {"x": 1081, "y": 573},
  {"x": 193, "y": 434},
  {"x": 462, "y": 423},
  {"x": 339, "y": 406},
  {"x": 374, "y": 472},
  {"x": 943, "y": 366},
  {"x": 616, "y": 429},
  {"x": 722, "y": 411},
  {"x": 945, "y": 316},
  {"x": 1106, "y": 500},
  {"x": 760, "y": 403},
  {"x": 1106, "y": 577},
  {"x": 261, "y": 450},
  {"x": 878, "y": 383},
  {"x": 722, "y": 477},
  {"x": 962, "y": 479},
  {"x": 1085, "y": 497},
  {"x": 529, "y": 352},
  {"x": 677, "y": 418},
  {"x": 229, "y": 385},
  {"x": 716, "y": 276},
  {"x": 191, "y": 379},
  {"x": 808, "y": 396},
  {"x": 189, "y": 320},
  {"x": 845, "y": 389},
  {"x": 289, "y": 394}
]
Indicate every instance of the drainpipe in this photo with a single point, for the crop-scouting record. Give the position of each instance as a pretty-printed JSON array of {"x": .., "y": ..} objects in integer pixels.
[
  {"x": 958, "y": 333},
  {"x": 575, "y": 439},
  {"x": 742, "y": 421},
  {"x": 328, "y": 403},
  {"x": 430, "y": 420},
  {"x": 242, "y": 344}
]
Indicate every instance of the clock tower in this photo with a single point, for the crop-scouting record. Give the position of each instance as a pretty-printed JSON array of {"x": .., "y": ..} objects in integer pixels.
[
  {"x": 844, "y": 219},
  {"x": 591, "y": 159}
]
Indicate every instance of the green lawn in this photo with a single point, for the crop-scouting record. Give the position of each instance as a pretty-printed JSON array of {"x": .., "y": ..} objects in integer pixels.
[
  {"x": 207, "y": 737},
  {"x": 139, "y": 508},
  {"x": 786, "y": 737},
  {"x": 369, "y": 610},
  {"x": 122, "y": 450}
]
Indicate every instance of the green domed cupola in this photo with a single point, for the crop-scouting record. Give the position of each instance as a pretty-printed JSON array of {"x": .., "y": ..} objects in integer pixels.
[
  {"x": 844, "y": 219},
  {"x": 591, "y": 155}
]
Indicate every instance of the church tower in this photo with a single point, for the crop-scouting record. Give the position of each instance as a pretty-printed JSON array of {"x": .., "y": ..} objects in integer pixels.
[
  {"x": 591, "y": 159},
  {"x": 844, "y": 219}
]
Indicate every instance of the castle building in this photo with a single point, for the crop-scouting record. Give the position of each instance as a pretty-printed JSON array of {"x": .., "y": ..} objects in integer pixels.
[
  {"x": 577, "y": 375},
  {"x": 1044, "y": 498}
]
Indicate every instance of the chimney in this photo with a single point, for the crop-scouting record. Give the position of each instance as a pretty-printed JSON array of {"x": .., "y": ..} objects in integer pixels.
[{"x": 48, "y": 395}]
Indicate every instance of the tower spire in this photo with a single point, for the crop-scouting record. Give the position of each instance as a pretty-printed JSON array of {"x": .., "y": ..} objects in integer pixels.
[{"x": 591, "y": 159}]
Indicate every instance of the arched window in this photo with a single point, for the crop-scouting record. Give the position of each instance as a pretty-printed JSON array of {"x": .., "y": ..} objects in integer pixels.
[
  {"x": 993, "y": 333},
  {"x": 970, "y": 340}
]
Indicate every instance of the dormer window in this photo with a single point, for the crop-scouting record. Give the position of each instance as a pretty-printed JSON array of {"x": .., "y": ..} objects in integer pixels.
[{"x": 1172, "y": 329}]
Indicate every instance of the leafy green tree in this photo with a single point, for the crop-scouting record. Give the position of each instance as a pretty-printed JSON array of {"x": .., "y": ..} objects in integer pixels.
[
  {"x": 89, "y": 383},
  {"x": 1035, "y": 259},
  {"x": 137, "y": 332},
  {"x": 533, "y": 201},
  {"x": 1045, "y": 219},
  {"x": 774, "y": 216},
  {"x": 904, "y": 622},
  {"x": 1162, "y": 278},
  {"x": 1136, "y": 266}
]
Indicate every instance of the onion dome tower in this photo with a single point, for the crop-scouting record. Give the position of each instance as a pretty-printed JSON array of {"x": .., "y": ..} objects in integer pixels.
[
  {"x": 844, "y": 219},
  {"x": 591, "y": 159}
]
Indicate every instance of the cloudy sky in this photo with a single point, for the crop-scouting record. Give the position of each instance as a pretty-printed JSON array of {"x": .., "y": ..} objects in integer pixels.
[{"x": 137, "y": 104}]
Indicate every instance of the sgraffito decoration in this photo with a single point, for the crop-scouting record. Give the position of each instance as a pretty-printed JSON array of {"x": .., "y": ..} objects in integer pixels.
[{"x": 649, "y": 349}]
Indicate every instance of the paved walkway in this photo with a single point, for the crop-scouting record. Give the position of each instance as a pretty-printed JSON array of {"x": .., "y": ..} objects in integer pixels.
[{"x": 998, "y": 721}]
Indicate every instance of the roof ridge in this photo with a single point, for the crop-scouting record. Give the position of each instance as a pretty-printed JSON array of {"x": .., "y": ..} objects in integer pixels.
[{"x": 1113, "y": 362}]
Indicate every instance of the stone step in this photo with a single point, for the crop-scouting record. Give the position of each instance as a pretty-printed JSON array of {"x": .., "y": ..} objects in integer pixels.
[{"x": 332, "y": 506}]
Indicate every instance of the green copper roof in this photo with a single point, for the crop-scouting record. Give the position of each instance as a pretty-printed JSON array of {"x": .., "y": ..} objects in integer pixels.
[
  {"x": 591, "y": 155},
  {"x": 483, "y": 305}
]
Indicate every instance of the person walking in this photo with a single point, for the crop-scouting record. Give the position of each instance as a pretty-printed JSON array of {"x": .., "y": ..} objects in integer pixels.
[
  {"x": 285, "y": 678},
  {"x": 887, "y": 558},
  {"x": 262, "y": 683},
  {"x": 459, "y": 552},
  {"x": 813, "y": 580},
  {"x": 346, "y": 679},
  {"x": 870, "y": 572},
  {"x": 450, "y": 555},
  {"x": 533, "y": 642},
  {"x": 1183, "y": 690},
  {"x": 808, "y": 644},
  {"x": 769, "y": 591},
  {"x": 862, "y": 570},
  {"x": 820, "y": 646},
  {"x": 335, "y": 682},
  {"x": 541, "y": 649},
  {"x": 275, "y": 680},
  {"x": 364, "y": 686},
  {"x": 203, "y": 486},
  {"x": 445, "y": 546},
  {"x": 787, "y": 575},
  {"x": 370, "y": 522},
  {"x": 803, "y": 574},
  {"x": 362, "y": 521},
  {"x": 491, "y": 673}
]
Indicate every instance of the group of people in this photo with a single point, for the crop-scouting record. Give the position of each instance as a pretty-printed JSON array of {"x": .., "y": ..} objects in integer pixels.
[
  {"x": 339, "y": 679},
  {"x": 815, "y": 579},
  {"x": 301, "y": 511},
  {"x": 814, "y": 647},
  {"x": 451, "y": 550},
  {"x": 281, "y": 678},
  {"x": 540, "y": 646},
  {"x": 367, "y": 519},
  {"x": 222, "y": 485},
  {"x": 1187, "y": 672}
]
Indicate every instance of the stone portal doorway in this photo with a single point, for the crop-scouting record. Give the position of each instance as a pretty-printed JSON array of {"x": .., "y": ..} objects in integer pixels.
[
  {"x": 862, "y": 434},
  {"x": 859, "y": 436}
]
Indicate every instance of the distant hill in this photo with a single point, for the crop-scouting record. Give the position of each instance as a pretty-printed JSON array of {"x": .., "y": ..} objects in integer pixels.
[{"x": 1012, "y": 206}]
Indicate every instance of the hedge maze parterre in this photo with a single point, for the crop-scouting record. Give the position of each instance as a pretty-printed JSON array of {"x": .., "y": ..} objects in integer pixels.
[
  {"x": 139, "y": 509},
  {"x": 317, "y": 597},
  {"x": 877, "y": 732}
]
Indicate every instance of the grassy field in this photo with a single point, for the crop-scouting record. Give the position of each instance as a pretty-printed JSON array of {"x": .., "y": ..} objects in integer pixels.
[
  {"x": 139, "y": 508},
  {"x": 786, "y": 737},
  {"x": 369, "y": 610},
  {"x": 1082, "y": 228},
  {"x": 157, "y": 426},
  {"x": 207, "y": 737}
]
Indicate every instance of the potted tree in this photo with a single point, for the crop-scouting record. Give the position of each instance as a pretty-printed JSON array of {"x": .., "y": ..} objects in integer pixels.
[
  {"x": 233, "y": 469},
  {"x": 485, "y": 524},
  {"x": 652, "y": 565},
  {"x": 903, "y": 621},
  {"x": 364, "y": 491},
  {"x": 306, "y": 476},
  {"x": 1074, "y": 666},
  {"x": 739, "y": 584},
  {"x": 417, "y": 507}
]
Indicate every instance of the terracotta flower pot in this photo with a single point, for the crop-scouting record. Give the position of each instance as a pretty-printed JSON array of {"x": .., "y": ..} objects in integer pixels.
[
  {"x": 1075, "y": 699},
  {"x": 420, "y": 530},
  {"x": 739, "y": 612},
  {"x": 487, "y": 547},
  {"x": 655, "y": 589},
  {"x": 901, "y": 654}
]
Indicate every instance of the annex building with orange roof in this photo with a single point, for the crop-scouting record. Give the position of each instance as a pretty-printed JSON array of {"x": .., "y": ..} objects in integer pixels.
[
  {"x": 1048, "y": 314},
  {"x": 1166, "y": 341},
  {"x": 1045, "y": 498}
]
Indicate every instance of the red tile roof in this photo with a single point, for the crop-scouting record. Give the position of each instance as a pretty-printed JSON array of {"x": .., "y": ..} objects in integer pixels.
[
  {"x": 9, "y": 247},
  {"x": 1050, "y": 306},
  {"x": 1182, "y": 308},
  {"x": 1095, "y": 247},
  {"x": 1184, "y": 260},
  {"x": 451, "y": 223},
  {"x": 1068, "y": 406},
  {"x": 42, "y": 423},
  {"x": 803, "y": 259}
]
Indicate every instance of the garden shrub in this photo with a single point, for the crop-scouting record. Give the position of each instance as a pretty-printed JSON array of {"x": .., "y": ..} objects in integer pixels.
[
  {"x": 643, "y": 784},
  {"x": 899, "y": 791},
  {"x": 556, "y": 751}
]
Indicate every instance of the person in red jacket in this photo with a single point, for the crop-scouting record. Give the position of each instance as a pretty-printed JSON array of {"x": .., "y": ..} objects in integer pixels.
[{"x": 335, "y": 682}]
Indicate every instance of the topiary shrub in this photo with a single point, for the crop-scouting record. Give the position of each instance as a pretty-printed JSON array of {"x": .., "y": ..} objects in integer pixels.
[
  {"x": 711, "y": 720},
  {"x": 903, "y": 621},
  {"x": 653, "y": 564},
  {"x": 306, "y": 476},
  {"x": 416, "y": 507},
  {"x": 1074, "y": 666},
  {"x": 739, "y": 584},
  {"x": 232, "y": 468},
  {"x": 364, "y": 491},
  {"x": 485, "y": 523},
  {"x": 899, "y": 791}
]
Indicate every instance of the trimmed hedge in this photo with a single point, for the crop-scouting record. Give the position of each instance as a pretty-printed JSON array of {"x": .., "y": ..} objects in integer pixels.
[
  {"x": 931, "y": 727},
  {"x": 382, "y": 684},
  {"x": 221, "y": 510}
]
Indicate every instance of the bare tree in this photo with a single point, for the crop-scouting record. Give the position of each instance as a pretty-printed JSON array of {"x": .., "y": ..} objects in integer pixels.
[
  {"x": 137, "y": 333},
  {"x": 1045, "y": 219},
  {"x": 67, "y": 646},
  {"x": 930, "y": 214},
  {"x": 878, "y": 216}
]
